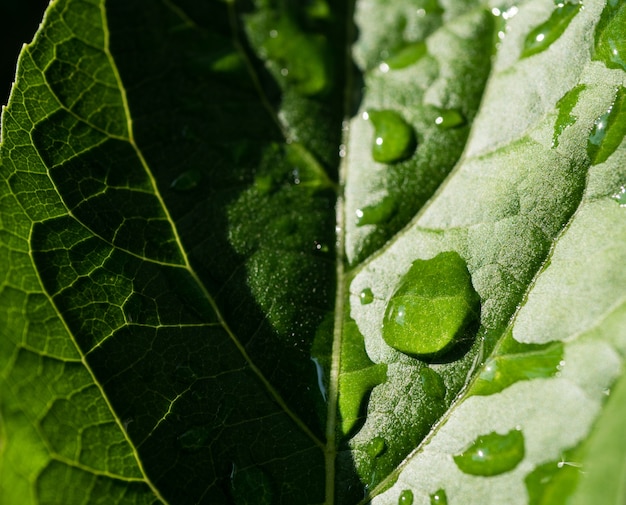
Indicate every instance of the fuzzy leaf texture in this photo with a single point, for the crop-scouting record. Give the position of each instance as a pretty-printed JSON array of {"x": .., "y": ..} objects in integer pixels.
[{"x": 313, "y": 252}]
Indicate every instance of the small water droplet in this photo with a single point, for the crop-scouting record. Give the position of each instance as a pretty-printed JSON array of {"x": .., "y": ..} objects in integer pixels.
[
  {"x": 406, "y": 56},
  {"x": 320, "y": 377},
  {"x": 610, "y": 40},
  {"x": 434, "y": 302},
  {"x": 366, "y": 296},
  {"x": 450, "y": 118},
  {"x": 432, "y": 383},
  {"x": 492, "y": 454},
  {"x": 540, "y": 38},
  {"x": 620, "y": 196},
  {"x": 187, "y": 180},
  {"x": 194, "y": 439},
  {"x": 376, "y": 447},
  {"x": 608, "y": 130},
  {"x": 439, "y": 498},
  {"x": 394, "y": 138},
  {"x": 406, "y": 497},
  {"x": 378, "y": 213}
]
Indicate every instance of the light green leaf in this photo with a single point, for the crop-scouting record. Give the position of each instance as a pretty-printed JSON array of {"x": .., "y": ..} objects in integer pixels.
[{"x": 282, "y": 252}]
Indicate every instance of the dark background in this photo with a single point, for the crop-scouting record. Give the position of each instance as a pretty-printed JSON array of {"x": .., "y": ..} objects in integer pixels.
[{"x": 19, "y": 20}]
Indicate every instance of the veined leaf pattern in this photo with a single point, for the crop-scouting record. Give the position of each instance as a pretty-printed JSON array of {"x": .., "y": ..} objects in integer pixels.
[{"x": 229, "y": 228}]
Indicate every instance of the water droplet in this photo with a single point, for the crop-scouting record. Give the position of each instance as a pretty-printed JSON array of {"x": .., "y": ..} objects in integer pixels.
[
  {"x": 194, "y": 439},
  {"x": 610, "y": 40},
  {"x": 376, "y": 447},
  {"x": 547, "y": 32},
  {"x": 378, "y": 213},
  {"x": 250, "y": 485},
  {"x": 366, "y": 296},
  {"x": 450, "y": 118},
  {"x": 433, "y": 304},
  {"x": 439, "y": 498},
  {"x": 406, "y": 56},
  {"x": 297, "y": 58},
  {"x": 492, "y": 454},
  {"x": 357, "y": 377},
  {"x": 524, "y": 363},
  {"x": 406, "y": 497},
  {"x": 551, "y": 482},
  {"x": 620, "y": 196},
  {"x": 320, "y": 377},
  {"x": 432, "y": 383},
  {"x": 187, "y": 180},
  {"x": 608, "y": 130},
  {"x": 394, "y": 138},
  {"x": 565, "y": 106}
]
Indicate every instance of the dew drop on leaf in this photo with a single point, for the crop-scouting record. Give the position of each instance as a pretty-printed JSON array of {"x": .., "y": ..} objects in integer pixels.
[
  {"x": 608, "y": 130},
  {"x": 406, "y": 56},
  {"x": 406, "y": 497},
  {"x": 299, "y": 59},
  {"x": 610, "y": 40},
  {"x": 366, "y": 296},
  {"x": 526, "y": 362},
  {"x": 620, "y": 196},
  {"x": 394, "y": 138},
  {"x": 540, "y": 38},
  {"x": 434, "y": 302},
  {"x": 492, "y": 454},
  {"x": 378, "y": 213},
  {"x": 432, "y": 383},
  {"x": 376, "y": 447},
  {"x": 187, "y": 180},
  {"x": 449, "y": 118},
  {"x": 439, "y": 498}
]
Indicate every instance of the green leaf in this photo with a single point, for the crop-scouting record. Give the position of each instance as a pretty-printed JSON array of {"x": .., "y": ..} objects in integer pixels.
[{"x": 282, "y": 252}]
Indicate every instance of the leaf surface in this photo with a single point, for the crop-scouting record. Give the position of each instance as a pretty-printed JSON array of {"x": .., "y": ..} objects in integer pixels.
[{"x": 302, "y": 253}]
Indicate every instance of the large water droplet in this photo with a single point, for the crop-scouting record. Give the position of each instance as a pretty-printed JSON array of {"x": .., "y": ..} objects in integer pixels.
[
  {"x": 250, "y": 486},
  {"x": 394, "y": 138},
  {"x": 366, "y": 296},
  {"x": 546, "y": 33},
  {"x": 378, "y": 213},
  {"x": 187, "y": 180},
  {"x": 565, "y": 106},
  {"x": 608, "y": 130},
  {"x": 406, "y": 497},
  {"x": 492, "y": 454},
  {"x": 433, "y": 304},
  {"x": 406, "y": 56},
  {"x": 194, "y": 439},
  {"x": 610, "y": 40},
  {"x": 439, "y": 498},
  {"x": 432, "y": 383}
]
